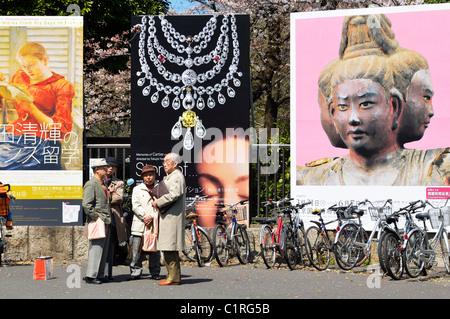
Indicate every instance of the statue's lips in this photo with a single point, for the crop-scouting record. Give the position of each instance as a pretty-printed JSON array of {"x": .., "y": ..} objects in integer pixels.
[{"x": 356, "y": 134}]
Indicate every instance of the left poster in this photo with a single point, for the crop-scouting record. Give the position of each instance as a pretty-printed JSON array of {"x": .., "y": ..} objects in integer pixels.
[{"x": 41, "y": 118}]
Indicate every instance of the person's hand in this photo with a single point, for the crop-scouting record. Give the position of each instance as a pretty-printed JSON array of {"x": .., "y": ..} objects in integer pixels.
[
  {"x": 148, "y": 220},
  {"x": 111, "y": 189},
  {"x": 154, "y": 204}
]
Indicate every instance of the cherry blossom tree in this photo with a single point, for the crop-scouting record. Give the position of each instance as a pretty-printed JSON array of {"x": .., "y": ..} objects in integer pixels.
[{"x": 106, "y": 91}]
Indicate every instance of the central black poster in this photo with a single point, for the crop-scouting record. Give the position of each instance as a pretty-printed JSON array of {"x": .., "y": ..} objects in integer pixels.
[{"x": 191, "y": 96}]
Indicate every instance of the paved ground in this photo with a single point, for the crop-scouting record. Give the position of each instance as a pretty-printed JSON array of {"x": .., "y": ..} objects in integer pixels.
[{"x": 251, "y": 281}]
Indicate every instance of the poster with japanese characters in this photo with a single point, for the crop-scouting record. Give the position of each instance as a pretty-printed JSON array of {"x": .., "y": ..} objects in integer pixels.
[
  {"x": 41, "y": 117},
  {"x": 190, "y": 95},
  {"x": 369, "y": 114}
]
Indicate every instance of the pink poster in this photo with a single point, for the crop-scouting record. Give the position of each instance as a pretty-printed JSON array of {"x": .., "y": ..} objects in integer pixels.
[{"x": 365, "y": 46}]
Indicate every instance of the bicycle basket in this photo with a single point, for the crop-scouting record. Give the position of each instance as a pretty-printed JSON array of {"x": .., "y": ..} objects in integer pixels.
[
  {"x": 383, "y": 212},
  {"x": 436, "y": 214},
  {"x": 240, "y": 213},
  {"x": 347, "y": 213}
]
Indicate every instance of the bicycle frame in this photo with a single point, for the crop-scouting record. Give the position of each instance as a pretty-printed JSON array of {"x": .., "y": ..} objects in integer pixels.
[
  {"x": 233, "y": 225},
  {"x": 346, "y": 222},
  {"x": 277, "y": 239},
  {"x": 231, "y": 241},
  {"x": 379, "y": 225},
  {"x": 194, "y": 232},
  {"x": 430, "y": 244},
  {"x": 323, "y": 226}
]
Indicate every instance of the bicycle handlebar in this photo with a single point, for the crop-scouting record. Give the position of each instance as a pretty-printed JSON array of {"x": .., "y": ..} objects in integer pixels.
[
  {"x": 300, "y": 206},
  {"x": 195, "y": 200},
  {"x": 277, "y": 203},
  {"x": 411, "y": 207},
  {"x": 427, "y": 202},
  {"x": 385, "y": 203},
  {"x": 241, "y": 202}
]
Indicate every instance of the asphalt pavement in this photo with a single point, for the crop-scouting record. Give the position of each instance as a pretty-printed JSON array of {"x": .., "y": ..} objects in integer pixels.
[{"x": 235, "y": 282}]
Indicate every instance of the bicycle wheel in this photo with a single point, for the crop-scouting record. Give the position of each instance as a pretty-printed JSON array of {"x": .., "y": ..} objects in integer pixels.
[
  {"x": 380, "y": 249},
  {"x": 204, "y": 247},
  {"x": 189, "y": 249},
  {"x": 347, "y": 255},
  {"x": 445, "y": 249},
  {"x": 302, "y": 257},
  {"x": 317, "y": 248},
  {"x": 242, "y": 244},
  {"x": 390, "y": 255},
  {"x": 268, "y": 252},
  {"x": 362, "y": 256},
  {"x": 220, "y": 245},
  {"x": 411, "y": 254},
  {"x": 290, "y": 254}
]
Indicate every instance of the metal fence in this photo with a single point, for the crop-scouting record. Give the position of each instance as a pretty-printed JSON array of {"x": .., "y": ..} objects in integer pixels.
[
  {"x": 269, "y": 171},
  {"x": 120, "y": 151}
]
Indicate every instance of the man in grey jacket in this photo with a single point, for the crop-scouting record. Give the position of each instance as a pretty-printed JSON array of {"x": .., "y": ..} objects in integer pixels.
[
  {"x": 96, "y": 204},
  {"x": 144, "y": 215}
]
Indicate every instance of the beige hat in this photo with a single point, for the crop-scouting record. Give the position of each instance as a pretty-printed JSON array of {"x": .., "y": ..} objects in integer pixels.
[{"x": 97, "y": 162}]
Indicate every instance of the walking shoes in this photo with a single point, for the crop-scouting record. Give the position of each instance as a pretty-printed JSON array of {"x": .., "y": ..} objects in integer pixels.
[{"x": 167, "y": 283}]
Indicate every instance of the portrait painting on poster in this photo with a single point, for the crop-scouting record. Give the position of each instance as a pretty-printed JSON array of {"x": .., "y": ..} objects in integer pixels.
[
  {"x": 41, "y": 117},
  {"x": 378, "y": 127}
]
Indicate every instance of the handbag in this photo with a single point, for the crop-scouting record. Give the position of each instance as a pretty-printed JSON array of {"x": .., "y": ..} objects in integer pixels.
[
  {"x": 96, "y": 229},
  {"x": 150, "y": 237},
  {"x": 158, "y": 191}
]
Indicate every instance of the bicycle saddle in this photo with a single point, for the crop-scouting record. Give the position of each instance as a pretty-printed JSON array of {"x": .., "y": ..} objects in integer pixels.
[
  {"x": 317, "y": 211},
  {"x": 423, "y": 216},
  {"x": 358, "y": 212},
  {"x": 191, "y": 215},
  {"x": 391, "y": 219},
  {"x": 269, "y": 220}
]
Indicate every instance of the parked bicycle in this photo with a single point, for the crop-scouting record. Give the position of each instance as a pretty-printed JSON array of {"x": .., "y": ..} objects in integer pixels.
[
  {"x": 392, "y": 238},
  {"x": 418, "y": 252},
  {"x": 348, "y": 255},
  {"x": 197, "y": 242},
  {"x": 271, "y": 241},
  {"x": 355, "y": 245},
  {"x": 319, "y": 245},
  {"x": 5, "y": 220},
  {"x": 287, "y": 238},
  {"x": 230, "y": 238},
  {"x": 295, "y": 243}
]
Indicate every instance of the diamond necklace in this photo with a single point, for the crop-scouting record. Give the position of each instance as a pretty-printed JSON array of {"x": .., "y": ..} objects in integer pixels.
[{"x": 185, "y": 89}]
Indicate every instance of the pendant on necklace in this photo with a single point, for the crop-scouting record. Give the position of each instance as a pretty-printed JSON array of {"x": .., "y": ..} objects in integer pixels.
[
  {"x": 188, "y": 120},
  {"x": 188, "y": 101},
  {"x": 189, "y": 77}
]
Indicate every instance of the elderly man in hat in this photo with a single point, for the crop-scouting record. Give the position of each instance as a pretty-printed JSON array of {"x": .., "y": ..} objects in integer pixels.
[
  {"x": 144, "y": 215},
  {"x": 119, "y": 233},
  {"x": 96, "y": 204}
]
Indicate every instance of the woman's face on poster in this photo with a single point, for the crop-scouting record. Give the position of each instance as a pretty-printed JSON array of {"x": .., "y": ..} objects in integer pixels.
[
  {"x": 33, "y": 67},
  {"x": 223, "y": 175}
]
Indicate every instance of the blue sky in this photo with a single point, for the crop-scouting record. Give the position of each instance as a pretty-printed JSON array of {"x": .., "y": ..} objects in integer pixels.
[{"x": 180, "y": 5}]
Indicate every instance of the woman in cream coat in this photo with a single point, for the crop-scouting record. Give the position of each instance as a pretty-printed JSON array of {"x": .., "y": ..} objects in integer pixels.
[
  {"x": 171, "y": 222},
  {"x": 144, "y": 214}
]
